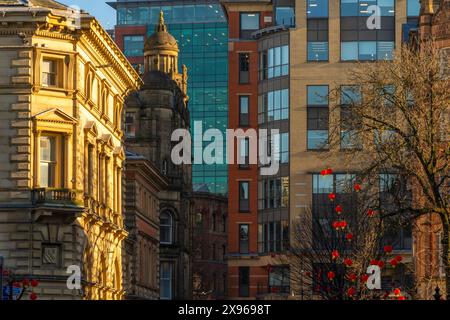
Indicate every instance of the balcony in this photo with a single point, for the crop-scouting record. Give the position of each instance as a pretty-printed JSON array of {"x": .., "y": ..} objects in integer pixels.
[{"x": 56, "y": 205}]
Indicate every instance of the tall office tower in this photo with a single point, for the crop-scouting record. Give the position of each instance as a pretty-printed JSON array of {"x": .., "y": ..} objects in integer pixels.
[
  {"x": 329, "y": 39},
  {"x": 259, "y": 99},
  {"x": 201, "y": 30},
  {"x": 282, "y": 68}
]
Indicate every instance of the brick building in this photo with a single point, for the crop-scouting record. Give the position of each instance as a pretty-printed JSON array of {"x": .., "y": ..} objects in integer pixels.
[
  {"x": 143, "y": 184},
  {"x": 209, "y": 246}
]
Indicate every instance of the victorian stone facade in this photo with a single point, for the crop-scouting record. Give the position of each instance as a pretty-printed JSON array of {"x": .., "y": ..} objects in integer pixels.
[
  {"x": 152, "y": 115},
  {"x": 141, "y": 257},
  {"x": 210, "y": 246},
  {"x": 62, "y": 86}
]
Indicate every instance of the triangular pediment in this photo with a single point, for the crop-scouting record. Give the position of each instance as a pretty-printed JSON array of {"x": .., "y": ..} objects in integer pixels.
[
  {"x": 55, "y": 115},
  {"x": 91, "y": 128},
  {"x": 118, "y": 152},
  {"x": 107, "y": 140}
]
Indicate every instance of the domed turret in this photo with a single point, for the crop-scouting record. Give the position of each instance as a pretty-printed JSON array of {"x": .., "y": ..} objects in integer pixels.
[{"x": 161, "y": 50}]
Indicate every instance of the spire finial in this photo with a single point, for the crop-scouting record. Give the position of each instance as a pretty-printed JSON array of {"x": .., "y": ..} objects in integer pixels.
[{"x": 161, "y": 26}]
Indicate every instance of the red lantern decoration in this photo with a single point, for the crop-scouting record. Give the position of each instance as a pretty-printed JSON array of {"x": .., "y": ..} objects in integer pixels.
[
  {"x": 397, "y": 291},
  {"x": 329, "y": 171},
  {"x": 352, "y": 277},
  {"x": 398, "y": 258},
  {"x": 349, "y": 237},
  {"x": 343, "y": 224},
  {"x": 323, "y": 172},
  {"x": 370, "y": 213},
  {"x": 332, "y": 196},
  {"x": 26, "y": 282},
  {"x": 335, "y": 254},
  {"x": 336, "y": 225},
  {"x": 348, "y": 262},
  {"x": 374, "y": 262},
  {"x": 34, "y": 283},
  {"x": 387, "y": 249},
  {"x": 339, "y": 208},
  {"x": 381, "y": 264},
  {"x": 351, "y": 291},
  {"x": 401, "y": 298},
  {"x": 33, "y": 296},
  {"x": 331, "y": 275},
  {"x": 394, "y": 263},
  {"x": 357, "y": 187},
  {"x": 364, "y": 277},
  {"x": 17, "y": 285}
]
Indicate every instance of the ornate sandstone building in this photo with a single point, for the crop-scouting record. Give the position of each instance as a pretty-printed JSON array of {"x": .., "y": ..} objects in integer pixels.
[
  {"x": 62, "y": 86},
  {"x": 152, "y": 115},
  {"x": 144, "y": 182}
]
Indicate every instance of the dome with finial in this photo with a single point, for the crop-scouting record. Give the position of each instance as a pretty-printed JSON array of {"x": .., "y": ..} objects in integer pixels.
[{"x": 161, "y": 39}]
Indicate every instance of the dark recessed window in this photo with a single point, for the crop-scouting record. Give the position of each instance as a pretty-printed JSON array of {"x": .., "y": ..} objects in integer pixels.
[
  {"x": 244, "y": 281},
  {"x": 244, "y": 196},
  {"x": 244, "y": 153},
  {"x": 244, "y": 67},
  {"x": 244, "y": 238},
  {"x": 318, "y": 117}
]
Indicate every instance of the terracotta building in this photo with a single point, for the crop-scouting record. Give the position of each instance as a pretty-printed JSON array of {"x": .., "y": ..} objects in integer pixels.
[
  {"x": 430, "y": 267},
  {"x": 152, "y": 115},
  {"x": 209, "y": 246},
  {"x": 62, "y": 89},
  {"x": 143, "y": 183}
]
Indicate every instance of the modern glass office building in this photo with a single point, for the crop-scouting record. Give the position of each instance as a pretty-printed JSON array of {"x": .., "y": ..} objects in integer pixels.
[{"x": 201, "y": 30}]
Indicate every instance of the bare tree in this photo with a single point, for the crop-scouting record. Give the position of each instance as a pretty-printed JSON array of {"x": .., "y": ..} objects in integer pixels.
[
  {"x": 395, "y": 119},
  {"x": 334, "y": 244}
]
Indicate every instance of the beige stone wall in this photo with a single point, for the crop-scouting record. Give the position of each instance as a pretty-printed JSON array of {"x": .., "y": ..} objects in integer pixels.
[{"x": 302, "y": 73}]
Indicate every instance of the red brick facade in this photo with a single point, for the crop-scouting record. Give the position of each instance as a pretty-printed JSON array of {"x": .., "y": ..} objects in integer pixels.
[
  {"x": 210, "y": 246},
  {"x": 257, "y": 272}
]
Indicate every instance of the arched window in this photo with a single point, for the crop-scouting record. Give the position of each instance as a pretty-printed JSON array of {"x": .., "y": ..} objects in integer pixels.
[{"x": 166, "y": 228}]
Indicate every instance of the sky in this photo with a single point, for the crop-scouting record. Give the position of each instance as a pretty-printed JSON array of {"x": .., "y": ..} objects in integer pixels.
[{"x": 97, "y": 8}]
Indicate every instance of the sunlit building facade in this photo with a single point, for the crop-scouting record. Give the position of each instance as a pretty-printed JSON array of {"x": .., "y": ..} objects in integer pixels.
[{"x": 62, "y": 92}]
